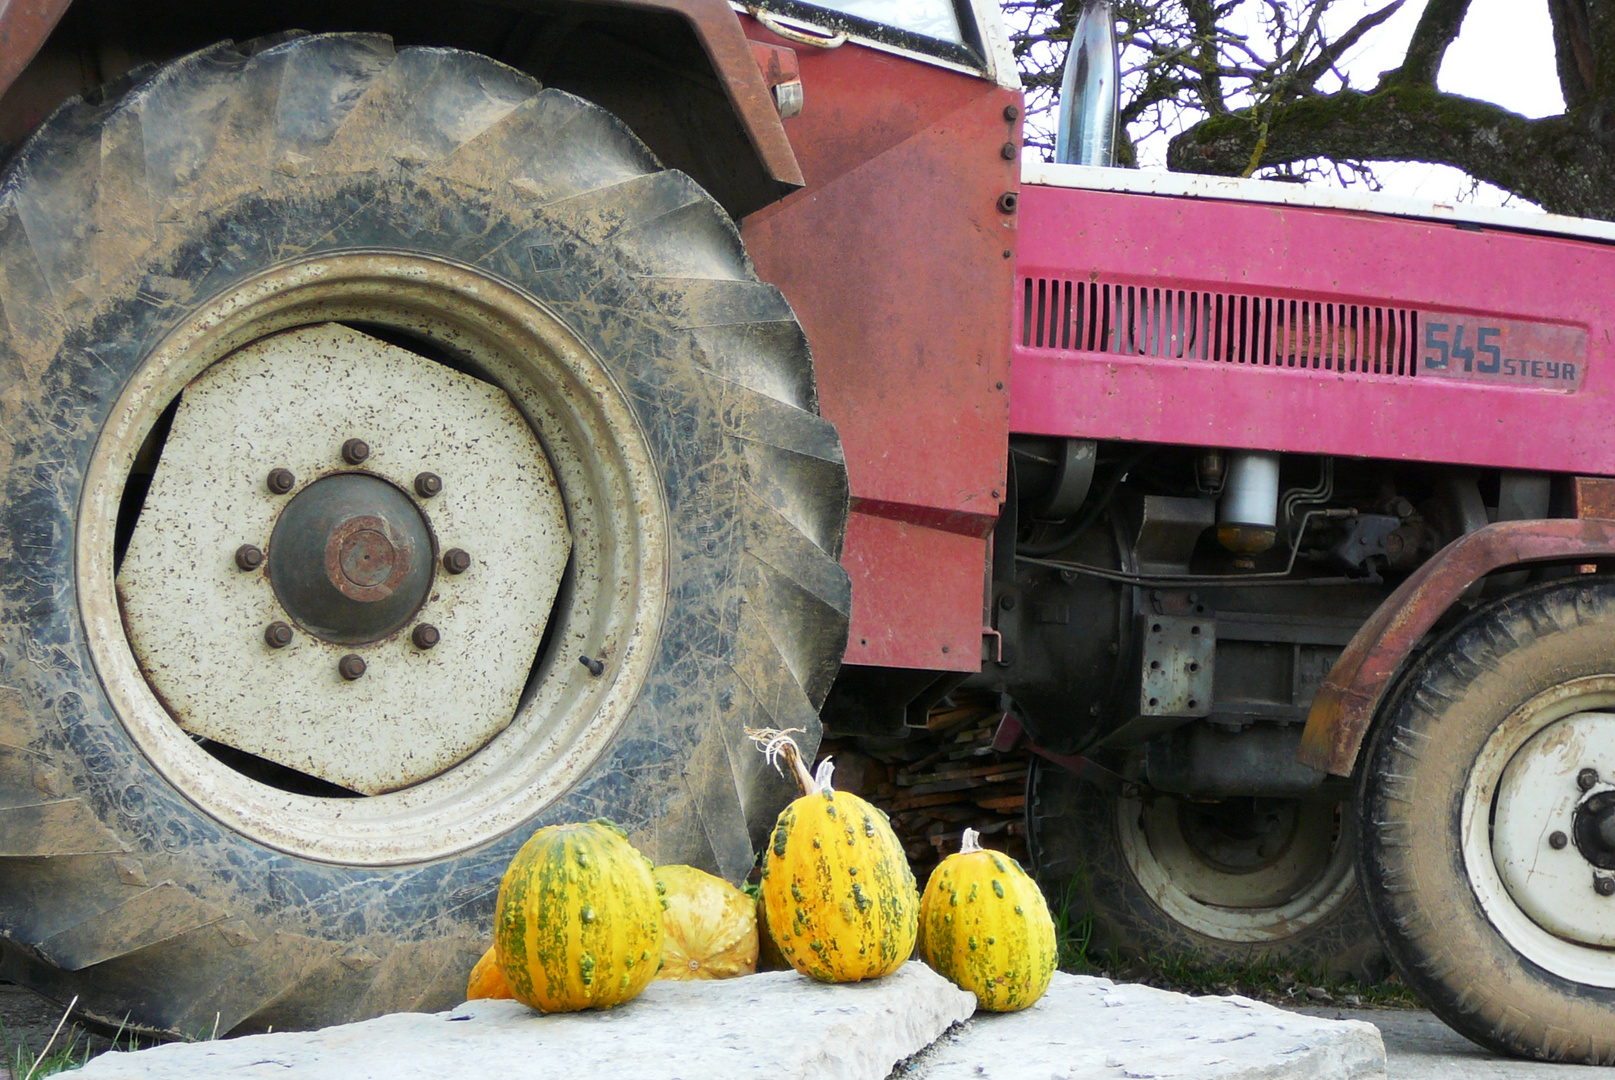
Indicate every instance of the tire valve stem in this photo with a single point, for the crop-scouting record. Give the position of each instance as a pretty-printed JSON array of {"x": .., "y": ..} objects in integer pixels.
[
  {"x": 1603, "y": 886},
  {"x": 596, "y": 667},
  {"x": 351, "y": 666}
]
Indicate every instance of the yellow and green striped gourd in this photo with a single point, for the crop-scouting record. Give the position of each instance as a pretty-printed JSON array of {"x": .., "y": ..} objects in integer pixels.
[
  {"x": 578, "y": 924},
  {"x": 985, "y": 927},
  {"x": 838, "y": 892}
]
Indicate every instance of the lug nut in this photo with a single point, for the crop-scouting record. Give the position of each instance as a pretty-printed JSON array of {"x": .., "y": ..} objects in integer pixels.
[
  {"x": 281, "y": 481},
  {"x": 355, "y": 451},
  {"x": 1604, "y": 886},
  {"x": 249, "y": 557},
  {"x": 425, "y": 636},
  {"x": 277, "y": 635},
  {"x": 456, "y": 561},
  {"x": 428, "y": 484},
  {"x": 1008, "y": 151},
  {"x": 351, "y": 666},
  {"x": 1011, "y": 113},
  {"x": 595, "y": 666},
  {"x": 1557, "y": 840},
  {"x": 1586, "y": 778}
]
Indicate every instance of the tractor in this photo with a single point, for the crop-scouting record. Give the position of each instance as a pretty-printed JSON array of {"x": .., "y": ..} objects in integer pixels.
[{"x": 423, "y": 423}]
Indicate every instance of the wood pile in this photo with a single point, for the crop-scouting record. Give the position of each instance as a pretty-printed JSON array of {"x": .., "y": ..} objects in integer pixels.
[{"x": 940, "y": 780}]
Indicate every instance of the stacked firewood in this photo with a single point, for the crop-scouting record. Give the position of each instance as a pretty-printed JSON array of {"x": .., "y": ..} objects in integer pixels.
[{"x": 939, "y": 781}]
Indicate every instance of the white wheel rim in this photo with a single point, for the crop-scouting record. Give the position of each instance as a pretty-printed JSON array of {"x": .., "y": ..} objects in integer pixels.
[
  {"x": 1565, "y": 707},
  {"x": 1230, "y": 906},
  {"x": 613, "y": 601}
]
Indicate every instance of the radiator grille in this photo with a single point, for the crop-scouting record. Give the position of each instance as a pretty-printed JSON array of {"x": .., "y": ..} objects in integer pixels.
[{"x": 1230, "y": 328}]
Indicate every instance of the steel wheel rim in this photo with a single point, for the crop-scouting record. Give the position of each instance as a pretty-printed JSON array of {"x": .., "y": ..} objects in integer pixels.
[
  {"x": 1577, "y": 962},
  {"x": 615, "y": 592},
  {"x": 1161, "y": 857}
]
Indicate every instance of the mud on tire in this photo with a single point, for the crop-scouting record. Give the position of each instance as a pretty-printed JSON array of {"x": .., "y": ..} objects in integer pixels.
[{"x": 124, "y": 217}]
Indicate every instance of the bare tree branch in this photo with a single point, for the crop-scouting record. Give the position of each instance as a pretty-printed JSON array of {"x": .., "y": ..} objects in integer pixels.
[
  {"x": 1438, "y": 27},
  {"x": 1572, "y": 49},
  {"x": 1549, "y": 161}
]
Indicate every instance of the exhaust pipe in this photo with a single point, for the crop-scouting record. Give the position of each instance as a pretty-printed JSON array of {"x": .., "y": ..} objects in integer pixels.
[{"x": 1085, "y": 133}]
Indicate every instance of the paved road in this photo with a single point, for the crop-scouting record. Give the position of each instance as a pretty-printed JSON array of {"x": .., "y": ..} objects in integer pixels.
[{"x": 1420, "y": 1047}]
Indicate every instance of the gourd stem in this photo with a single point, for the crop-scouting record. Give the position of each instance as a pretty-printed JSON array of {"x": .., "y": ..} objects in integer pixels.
[
  {"x": 970, "y": 841},
  {"x": 776, "y": 744}
]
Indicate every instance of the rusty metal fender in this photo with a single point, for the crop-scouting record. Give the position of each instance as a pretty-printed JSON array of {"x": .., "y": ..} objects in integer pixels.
[
  {"x": 1346, "y": 702},
  {"x": 24, "y": 26}
]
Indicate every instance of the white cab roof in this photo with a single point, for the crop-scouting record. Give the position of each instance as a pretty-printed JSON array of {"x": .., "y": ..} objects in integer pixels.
[{"x": 1235, "y": 189}]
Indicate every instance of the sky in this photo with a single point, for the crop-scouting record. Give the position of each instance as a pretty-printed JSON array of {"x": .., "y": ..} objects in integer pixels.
[{"x": 1503, "y": 54}]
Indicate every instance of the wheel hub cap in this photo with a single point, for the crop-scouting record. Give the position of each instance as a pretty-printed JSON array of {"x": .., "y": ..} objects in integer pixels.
[
  {"x": 351, "y": 559},
  {"x": 281, "y": 590},
  {"x": 1553, "y": 828}
]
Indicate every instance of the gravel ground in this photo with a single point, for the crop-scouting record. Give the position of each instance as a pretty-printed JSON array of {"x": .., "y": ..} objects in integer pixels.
[{"x": 1420, "y": 1047}]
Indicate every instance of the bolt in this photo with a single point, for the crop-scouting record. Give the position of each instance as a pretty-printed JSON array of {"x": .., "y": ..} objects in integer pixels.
[
  {"x": 456, "y": 561},
  {"x": 596, "y": 667},
  {"x": 354, "y": 451},
  {"x": 1008, "y": 253},
  {"x": 1604, "y": 886},
  {"x": 1557, "y": 840},
  {"x": 351, "y": 666},
  {"x": 1007, "y": 202},
  {"x": 1586, "y": 778},
  {"x": 425, "y": 636},
  {"x": 1011, "y": 113},
  {"x": 428, "y": 484},
  {"x": 277, "y": 635},
  {"x": 1008, "y": 151},
  {"x": 249, "y": 557},
  {"x": 281, "y": 481},
  {"x": 1007, "y": 601}
]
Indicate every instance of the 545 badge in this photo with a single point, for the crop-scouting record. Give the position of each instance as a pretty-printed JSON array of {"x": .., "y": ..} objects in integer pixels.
[{"x": 1482, "y": 349}]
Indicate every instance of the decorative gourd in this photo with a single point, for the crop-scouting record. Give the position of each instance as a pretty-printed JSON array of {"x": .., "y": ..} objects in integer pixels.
[
  {"x": 709, "y": 928},
  {"x": 487, "y": 980},
  {"x": 840, "y": 897},
  {"x": 985, "y": 927},
  {"x": 578, "y": 923}
]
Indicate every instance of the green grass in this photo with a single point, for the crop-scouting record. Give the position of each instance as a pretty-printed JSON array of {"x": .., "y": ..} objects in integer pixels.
[{"x": 70, "y": 1050}]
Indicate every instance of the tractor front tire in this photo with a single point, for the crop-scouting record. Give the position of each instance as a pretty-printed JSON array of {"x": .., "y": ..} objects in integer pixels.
[
  {"x": 422, "y": 218},
  {"x": 1483, "y": 791}
]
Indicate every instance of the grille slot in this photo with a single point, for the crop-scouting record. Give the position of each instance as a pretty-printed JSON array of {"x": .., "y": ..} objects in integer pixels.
[{"x": 1230, "y": 328}]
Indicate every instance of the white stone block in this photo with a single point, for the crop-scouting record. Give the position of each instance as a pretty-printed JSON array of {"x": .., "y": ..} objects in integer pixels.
[
  {"x": 778, "y": 1026},
  {"x": 1093, "y": 1029}
]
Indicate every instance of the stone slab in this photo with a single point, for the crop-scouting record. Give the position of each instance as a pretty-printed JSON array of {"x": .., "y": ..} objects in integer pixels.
[
  {"x": 1094, "y": 1029},
  {"x": 778, "y": 1026}
]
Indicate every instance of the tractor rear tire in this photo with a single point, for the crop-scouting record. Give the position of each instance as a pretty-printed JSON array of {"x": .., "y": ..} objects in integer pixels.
[
  {"x": 1138, "y": 876},
  {"x": 438, "y": 204},
  {"x": 1481, "y": 790}
]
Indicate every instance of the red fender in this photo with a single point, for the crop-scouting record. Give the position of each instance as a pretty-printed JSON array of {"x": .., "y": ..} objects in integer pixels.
[{"x": 1346, "y": 702}]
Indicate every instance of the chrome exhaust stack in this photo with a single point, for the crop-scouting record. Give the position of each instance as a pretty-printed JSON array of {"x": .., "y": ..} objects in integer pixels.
[{"x": 1089, "y": 97}]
